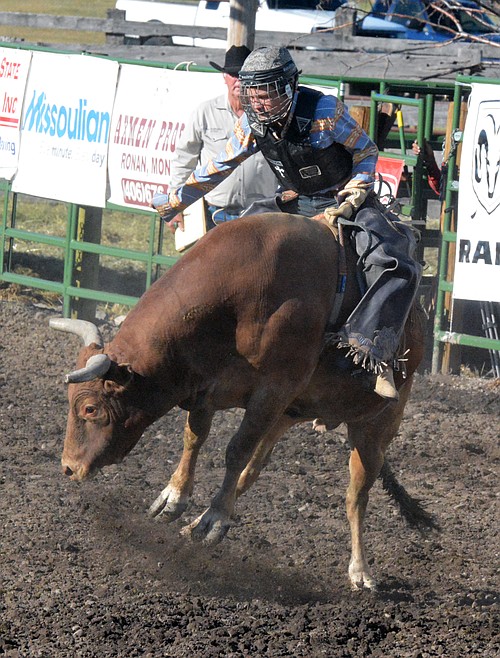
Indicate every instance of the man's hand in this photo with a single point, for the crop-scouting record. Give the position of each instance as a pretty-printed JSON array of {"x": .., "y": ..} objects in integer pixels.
[
  {"x": 350, "y": 199},
  {"x": 427, "y": 153},
  {"x": 176, "y": 222}
]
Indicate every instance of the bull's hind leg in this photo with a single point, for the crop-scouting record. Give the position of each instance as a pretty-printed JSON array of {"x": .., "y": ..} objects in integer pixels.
[
  {"x": 369, "y": 442},
  {"x": 262, "y": 454},
  {"x": 173, "y": 500}
]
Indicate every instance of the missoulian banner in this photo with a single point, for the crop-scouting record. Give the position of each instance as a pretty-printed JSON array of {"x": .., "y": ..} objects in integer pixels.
[
  {"x": 477, "y": 266},
  {"x": 65, "y": 128}
]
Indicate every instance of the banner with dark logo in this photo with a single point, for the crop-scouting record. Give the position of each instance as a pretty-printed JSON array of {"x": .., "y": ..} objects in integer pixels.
[
  {"x": 387, "y": 178},
  {"x": 477, "y": 266}
]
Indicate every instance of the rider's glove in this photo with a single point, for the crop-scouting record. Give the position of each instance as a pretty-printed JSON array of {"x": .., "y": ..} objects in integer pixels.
[
  {"x": 350, "y": 200},
  {"x": 162, "y": 205}
]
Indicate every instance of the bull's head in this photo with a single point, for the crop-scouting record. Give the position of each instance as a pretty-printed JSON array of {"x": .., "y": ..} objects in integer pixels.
[{"x": 107, "y": 403}]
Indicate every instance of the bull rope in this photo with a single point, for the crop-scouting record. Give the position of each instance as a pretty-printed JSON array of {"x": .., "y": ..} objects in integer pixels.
[{"x": 338, "y": 233}]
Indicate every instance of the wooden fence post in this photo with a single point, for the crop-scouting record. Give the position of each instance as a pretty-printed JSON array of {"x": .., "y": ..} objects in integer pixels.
[
  {"x": 452, "y": 354},
  {"x": 86, "y": 265},
  {"x": 345, "y": 21},
  {"x": 241, "y": 30}
]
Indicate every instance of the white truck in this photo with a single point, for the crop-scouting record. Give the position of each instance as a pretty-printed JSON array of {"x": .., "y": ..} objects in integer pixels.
[
  {"x": 439, "y": 20},
  {"x": 295, "y": 16}
]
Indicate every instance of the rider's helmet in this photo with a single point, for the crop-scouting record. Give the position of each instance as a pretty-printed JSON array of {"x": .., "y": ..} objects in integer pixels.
[{"x": 268, "y": 80}]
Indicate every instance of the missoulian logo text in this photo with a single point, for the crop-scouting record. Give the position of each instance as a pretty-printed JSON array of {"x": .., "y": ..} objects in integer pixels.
[{"x": 79, "y": 122}]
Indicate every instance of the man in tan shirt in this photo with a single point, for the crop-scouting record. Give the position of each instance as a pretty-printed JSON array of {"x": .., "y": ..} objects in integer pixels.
[{"x": 205, "y": 136}]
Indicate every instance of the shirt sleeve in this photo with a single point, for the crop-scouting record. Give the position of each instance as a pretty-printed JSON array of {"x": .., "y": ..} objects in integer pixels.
[
  {"x": 188, "y": 150},
  {"x": 240, "y": 146},
  {"x": 333, "y": 123}
]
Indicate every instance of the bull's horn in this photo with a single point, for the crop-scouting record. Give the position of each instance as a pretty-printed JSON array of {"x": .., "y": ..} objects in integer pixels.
[
  {"x": 96, "y": 366},
  {"x": 87, "y": 331}
]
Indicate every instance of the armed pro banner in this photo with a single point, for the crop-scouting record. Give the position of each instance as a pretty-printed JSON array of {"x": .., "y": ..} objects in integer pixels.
[
  {"x": 65, "y": 128},
  {"x": 14, "y": 68},
  {"x": 151, "y": 110},
  {"x": 477, "y": 266}
]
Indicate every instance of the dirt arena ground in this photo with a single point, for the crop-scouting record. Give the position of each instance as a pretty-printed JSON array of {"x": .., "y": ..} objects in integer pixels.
[{"x": 85, "y": 573}]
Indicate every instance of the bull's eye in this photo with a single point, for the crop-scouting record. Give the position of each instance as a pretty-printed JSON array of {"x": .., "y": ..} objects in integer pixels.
[
  {"x": 88, "y": 408},
  {"x": 90, "y": 411}
]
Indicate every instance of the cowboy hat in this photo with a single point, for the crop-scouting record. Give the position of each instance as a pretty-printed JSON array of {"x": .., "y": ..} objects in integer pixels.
[{"x": 233, "y": 61}]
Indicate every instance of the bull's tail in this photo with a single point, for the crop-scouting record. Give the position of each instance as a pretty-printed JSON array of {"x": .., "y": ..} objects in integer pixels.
[{"x": 411, "y": 508}]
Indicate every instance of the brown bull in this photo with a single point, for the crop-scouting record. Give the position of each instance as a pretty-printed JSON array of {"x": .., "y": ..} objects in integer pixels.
[{"x": 239, "y": 321}]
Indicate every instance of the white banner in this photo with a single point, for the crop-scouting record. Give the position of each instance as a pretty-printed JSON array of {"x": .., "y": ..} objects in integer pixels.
[
  {"x": 477, "y": 266},
  {"x": 14, "y": 69},
  {"x": 65, "y": 128},
  {"x": 150, "y": 112}
]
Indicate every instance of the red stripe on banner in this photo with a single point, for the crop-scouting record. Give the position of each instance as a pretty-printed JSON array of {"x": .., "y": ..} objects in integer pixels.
[{"x": 7, "y": 121}]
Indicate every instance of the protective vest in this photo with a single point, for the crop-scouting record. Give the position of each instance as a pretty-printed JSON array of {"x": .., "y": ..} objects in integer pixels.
[{"x": 297, "y": 165}]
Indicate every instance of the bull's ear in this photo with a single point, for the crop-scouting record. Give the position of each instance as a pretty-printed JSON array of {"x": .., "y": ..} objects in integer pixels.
[{"x": 118, "y": 378}]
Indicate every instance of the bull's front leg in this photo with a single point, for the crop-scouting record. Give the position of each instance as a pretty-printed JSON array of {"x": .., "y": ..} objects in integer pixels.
[
  {"x": 262, "y": 454},
  {"x": 212, "y": 526},
  {"x": 174, "y": 499},
  {"x": 285, "y": 369}
]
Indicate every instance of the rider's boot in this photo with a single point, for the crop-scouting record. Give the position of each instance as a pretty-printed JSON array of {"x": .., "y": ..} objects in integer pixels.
[{"x": 385, "y": 386}]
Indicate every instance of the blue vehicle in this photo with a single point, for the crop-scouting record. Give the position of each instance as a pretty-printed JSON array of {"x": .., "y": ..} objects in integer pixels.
[{"x": 439, "y": 20}]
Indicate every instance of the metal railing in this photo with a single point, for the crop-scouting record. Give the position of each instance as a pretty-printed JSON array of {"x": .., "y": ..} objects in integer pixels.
[
  {"x": 72, "y": 286},
  {"x": 71, "y": 246},
  {"x": 442, "y": 323}
]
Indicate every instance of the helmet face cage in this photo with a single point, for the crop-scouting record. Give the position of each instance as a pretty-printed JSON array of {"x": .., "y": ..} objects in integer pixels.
[
  {"x": 267, "y": 102},
  {"x": 268, "y": 80}
]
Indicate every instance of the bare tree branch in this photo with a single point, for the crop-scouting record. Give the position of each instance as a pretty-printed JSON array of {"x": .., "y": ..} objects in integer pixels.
[{"x": 443, "y": 15}]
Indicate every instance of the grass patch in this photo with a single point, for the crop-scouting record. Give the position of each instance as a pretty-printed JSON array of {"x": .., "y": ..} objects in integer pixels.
[
  {"x": 120, "y": 229},
  {"x": 94, "y": 9}
]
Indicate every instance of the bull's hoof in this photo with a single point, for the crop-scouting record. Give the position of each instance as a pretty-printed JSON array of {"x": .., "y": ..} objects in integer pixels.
[
  {"x": 362, "y": 580},
  {"x": 210, "y": 528},
  {"x": 319, "y": 426},
  {"x": 170, "y": 504}
]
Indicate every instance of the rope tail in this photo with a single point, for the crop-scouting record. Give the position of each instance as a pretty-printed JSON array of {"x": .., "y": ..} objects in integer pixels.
[{"x": 411, "y": 508}]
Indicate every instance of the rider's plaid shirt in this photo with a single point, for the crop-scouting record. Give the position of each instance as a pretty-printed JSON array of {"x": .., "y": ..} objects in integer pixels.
[{"x": 331, "y": 123}]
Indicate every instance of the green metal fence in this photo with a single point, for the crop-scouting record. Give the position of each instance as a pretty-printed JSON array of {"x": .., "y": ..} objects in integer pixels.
[
  {"x": 443, "y": 318},
  {"x": 76, "y": 250},
  {"x": 71, "y": 246}
]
